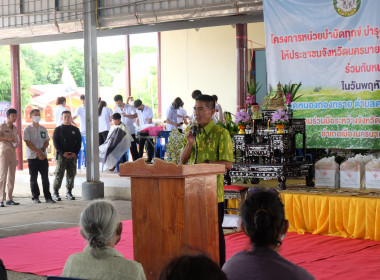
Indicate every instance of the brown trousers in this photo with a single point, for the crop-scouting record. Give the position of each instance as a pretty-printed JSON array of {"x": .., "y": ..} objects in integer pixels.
[{"x": 8, "y": 163}]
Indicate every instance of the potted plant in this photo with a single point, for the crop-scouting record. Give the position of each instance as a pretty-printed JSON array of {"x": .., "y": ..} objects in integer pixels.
[
  {"x": 242, "y": 119},
  {"x": 290, "y": 91},
  {"x": 252, "y": 89},
  {"x": 280, "y": 118},
  {"x": 229, "y": 124}
]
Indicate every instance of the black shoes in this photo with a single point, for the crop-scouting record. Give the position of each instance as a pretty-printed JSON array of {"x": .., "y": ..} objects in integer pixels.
[
  {"x": 11, "y": 202},
  {"x": 1, "y": 204},
  {"x": 36, "y": 200},
  {"x": 56, "y": 196},
  {"x": 49, "y": 200},
  {"x": 69, "y": 196}
]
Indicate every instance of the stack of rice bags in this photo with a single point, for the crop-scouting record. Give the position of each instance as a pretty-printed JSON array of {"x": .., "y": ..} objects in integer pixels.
[
  {"x": 372, "y": 174},
  {"x": 327, "y": 173},
  {"x": 352, "y": 172}
]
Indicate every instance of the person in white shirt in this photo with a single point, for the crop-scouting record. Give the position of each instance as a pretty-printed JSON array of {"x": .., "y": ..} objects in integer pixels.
[
  {"x": 145, "y": 116},
  {"x": 128, "y": 117},
  {"x": 172, "y": 115},
  {"x": 81, "y": 113},
  {"x": 37, "y": 138},
  {"x": 105, "y": 117},
  {"x": 61, "y": 103},
  {"x": 182, "y": 117},
  {"x": 218, "y": 110}
]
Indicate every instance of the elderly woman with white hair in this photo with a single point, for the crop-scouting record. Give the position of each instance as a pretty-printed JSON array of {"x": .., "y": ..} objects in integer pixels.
[{"x": 101, "y": 227}]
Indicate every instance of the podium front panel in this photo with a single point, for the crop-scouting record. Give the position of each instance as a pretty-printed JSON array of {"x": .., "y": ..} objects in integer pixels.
[{"x": 172, "y": 217}]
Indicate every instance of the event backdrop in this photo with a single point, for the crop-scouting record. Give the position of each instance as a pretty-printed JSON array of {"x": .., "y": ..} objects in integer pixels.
[
  {"x": 333, "y": 48},
  {"x": 4, "y": 106}
]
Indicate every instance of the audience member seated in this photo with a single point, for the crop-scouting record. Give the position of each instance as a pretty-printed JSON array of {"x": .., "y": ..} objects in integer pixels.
[
  {"x": 197, "y": 267},
  {"x": 263, "y": 221},
  {"x": 117, "y": 143},
  {"x": 101, "y": 227},
  {"x": 3, "y": 271}
]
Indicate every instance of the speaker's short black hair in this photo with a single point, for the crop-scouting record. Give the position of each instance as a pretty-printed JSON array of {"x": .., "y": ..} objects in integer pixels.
[{"x": 210, "y": 101}]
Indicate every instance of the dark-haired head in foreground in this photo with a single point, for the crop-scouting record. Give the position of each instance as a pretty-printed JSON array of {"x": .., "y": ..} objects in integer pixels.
[
  {"x": 263, "y": 221},
  {"x": 198, "y": 267}
]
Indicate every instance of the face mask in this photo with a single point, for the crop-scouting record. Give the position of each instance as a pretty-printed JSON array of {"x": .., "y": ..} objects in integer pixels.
[
  {"x": 131, "y": 103},
  {"x": 119, "y": 105},
  {"x": 36, "y": 119}
]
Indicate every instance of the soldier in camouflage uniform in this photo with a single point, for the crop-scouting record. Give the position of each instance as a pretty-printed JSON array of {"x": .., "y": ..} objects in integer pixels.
[{"x": 67, "y": 142}]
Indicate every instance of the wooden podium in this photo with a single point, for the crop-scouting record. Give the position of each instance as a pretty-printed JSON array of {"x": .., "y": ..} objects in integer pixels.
[{"x": 174, "y": 211}]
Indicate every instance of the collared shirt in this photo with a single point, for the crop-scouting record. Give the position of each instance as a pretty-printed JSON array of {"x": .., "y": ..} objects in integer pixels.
[
  {"x": 263, "y": 263},
  {"x": 104, "y": 119},
  {"x": 128, "y": 110},
  {"x": 7, "y": 130},
  {"x": 38, "y": 136},
  {"x": 145, "y": 115},
  {"x": 81, "y": 112},
  {"x": 109, "y": 264},
  {"x": 181, "y": 112},
  {"x": 171, "y": 115},
  {"x": 214, "y": 144},
  {"x": 58, "y": 114}
]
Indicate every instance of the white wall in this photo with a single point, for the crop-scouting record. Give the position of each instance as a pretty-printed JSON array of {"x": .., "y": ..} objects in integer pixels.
[{"x": 204, "y": 60}]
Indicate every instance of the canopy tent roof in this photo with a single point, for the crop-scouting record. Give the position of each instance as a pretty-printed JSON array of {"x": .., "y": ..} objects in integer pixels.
[{"x": 23, "y": 21}]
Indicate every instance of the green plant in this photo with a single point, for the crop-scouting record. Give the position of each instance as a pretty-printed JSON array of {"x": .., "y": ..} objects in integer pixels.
[
  {"x": 174, "y": 147},
  {"x": 253, "y": 88},
  {"x": 292, "y": 89},
  {"x": 229, "y": 124}
]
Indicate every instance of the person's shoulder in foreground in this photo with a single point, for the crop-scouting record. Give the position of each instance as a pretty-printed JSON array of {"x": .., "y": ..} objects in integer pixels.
[
  {"x": 102, "y": 229},
  {"x": 263, "y": 221},
  {"x": 109, "y": 264},
  {"x": 263, "y": 264}
]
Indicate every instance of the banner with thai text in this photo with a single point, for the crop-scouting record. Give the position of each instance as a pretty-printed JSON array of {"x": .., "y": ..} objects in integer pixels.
[
  {"x": 333, "y": 48},
  {"x": 4, "y": 106}
]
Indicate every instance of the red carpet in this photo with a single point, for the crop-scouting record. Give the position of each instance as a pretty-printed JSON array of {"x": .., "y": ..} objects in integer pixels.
[{"x": 325, "y": 257}]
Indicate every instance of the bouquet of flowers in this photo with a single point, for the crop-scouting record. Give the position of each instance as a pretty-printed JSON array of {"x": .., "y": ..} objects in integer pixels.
[
  {"x": 252, "y": 89},
  {"x": 280, "y": 117},
  {"x": 242, "y": 117},
  {"x": 290, "y": 91}
]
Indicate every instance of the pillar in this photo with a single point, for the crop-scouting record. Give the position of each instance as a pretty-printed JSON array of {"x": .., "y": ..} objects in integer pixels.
[
  {"x": 16, "y": 97},
  {"x": 242, "y": 64},
  {"x": 159, "y": 105},
  {"x": 128, "y": 66},
  {"x": 92, "y": 188}
]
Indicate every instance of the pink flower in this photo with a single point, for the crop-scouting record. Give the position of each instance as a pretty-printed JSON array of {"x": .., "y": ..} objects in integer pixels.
[
  {"x": 242, "y": 117},
  {"x": 288, "y": 98},
  {"x": 280, "y": 117},
  {"x": 251, "y": 99}
]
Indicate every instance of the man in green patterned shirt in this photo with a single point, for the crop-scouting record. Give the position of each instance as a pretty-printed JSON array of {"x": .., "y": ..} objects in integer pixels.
[{"x": 214, "y": 146}]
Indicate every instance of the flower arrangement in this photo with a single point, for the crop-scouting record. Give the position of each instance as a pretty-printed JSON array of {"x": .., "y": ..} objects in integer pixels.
[
  {"x": 280, "y": 117},
  {"x": 290, "y": 91},
  {"x": 252, "y": 89},
  {"x": 242, "y": 117}
]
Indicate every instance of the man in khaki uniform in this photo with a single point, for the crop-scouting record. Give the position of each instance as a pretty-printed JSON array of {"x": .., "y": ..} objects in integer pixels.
[{"x": 9, "y": 140}]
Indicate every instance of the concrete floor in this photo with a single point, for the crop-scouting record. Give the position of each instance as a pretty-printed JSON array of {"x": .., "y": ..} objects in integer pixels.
[{"x": 29, "y": 217}]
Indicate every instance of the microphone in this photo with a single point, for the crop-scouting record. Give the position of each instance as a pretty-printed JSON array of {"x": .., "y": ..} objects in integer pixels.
[{"x": 194, "y": 130}]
